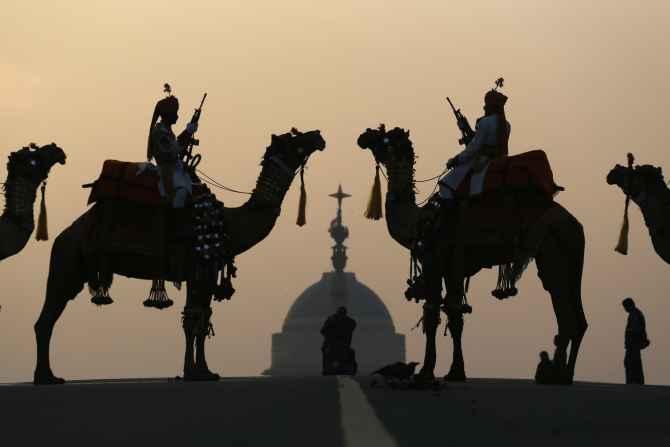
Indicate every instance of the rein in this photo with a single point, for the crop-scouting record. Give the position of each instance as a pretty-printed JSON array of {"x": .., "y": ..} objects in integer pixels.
[{"x": 212, "y": 182}]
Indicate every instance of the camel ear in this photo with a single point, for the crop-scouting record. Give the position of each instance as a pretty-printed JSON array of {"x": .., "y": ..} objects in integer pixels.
[{"x": 407, "y": 133}]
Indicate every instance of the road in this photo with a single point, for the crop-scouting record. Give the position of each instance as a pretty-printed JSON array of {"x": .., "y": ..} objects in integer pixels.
[{"x": 329, "y": 411}]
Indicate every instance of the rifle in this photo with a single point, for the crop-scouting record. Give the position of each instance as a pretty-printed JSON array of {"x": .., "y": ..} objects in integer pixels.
[
  {"x": 194, "y": 120},
  {"x": 463, "y": 125}
]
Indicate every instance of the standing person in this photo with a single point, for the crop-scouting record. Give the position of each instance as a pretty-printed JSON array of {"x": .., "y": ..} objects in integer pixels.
[
  {"x": 490, "y": 141},
  {"x": 168, "y": 149},
  {"x": 636, "y": 340}
]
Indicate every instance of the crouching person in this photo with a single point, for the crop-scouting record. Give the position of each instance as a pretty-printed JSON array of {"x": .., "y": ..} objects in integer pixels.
[{"x": 338, "y": 356}]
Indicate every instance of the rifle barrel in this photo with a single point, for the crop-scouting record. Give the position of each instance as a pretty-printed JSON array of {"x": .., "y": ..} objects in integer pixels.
[
  {"x": 203, "y": 101},
  {"x": 452, "y": 105}
]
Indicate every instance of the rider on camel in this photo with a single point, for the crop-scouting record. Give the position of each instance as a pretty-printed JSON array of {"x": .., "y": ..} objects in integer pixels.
[
  {"x": 490, "y": 141},
  {"x": 168, "y": 149}
]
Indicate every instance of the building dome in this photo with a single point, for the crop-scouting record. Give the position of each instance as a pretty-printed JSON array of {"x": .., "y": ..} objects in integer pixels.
[
  {"x": 337, "y": 289},
  {"x": 296, "y": 350}
]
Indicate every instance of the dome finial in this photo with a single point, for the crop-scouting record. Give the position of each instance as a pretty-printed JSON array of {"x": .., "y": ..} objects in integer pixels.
[{"x": 339, "y": 233}]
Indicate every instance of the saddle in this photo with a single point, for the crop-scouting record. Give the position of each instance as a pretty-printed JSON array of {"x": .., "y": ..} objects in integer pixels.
[
  {"x": 127, "y": 181},
  {"x": 517, "y": 191},
  {"x": 135, "y": 229},
  {"x": 526, "y": 171}
]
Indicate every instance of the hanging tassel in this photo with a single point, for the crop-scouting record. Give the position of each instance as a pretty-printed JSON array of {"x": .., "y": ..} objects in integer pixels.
[
  {"x": 42, "y": 234},
  {"x": 622, "y": 245},
  {"x": 302, "y": 204},
  {"x": 158, "y": 296},
  {"x": 374, "y": 210},
  {"x": 506, "y": 285},
  {"x": 100, "y": 295}
]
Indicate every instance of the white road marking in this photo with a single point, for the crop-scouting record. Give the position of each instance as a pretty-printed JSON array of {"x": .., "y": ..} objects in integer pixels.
[{"x": 362, "y": 427}]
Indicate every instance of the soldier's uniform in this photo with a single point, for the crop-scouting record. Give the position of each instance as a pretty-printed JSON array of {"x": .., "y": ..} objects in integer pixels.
[
  {"x": 175, "y": 181},
  {"x": 490, "y": 141},
  {"x": 167, "y": 150}
]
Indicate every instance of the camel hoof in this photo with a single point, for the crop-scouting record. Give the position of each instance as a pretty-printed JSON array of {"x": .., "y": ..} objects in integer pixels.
[
  {"x": 201, "y": 376},
  {"x": 455, "y": 377},
  {"x": 423, "y": 380},
  {"x": 47, "y": 379}
]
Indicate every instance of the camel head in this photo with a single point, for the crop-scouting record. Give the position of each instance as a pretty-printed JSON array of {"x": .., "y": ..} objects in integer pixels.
[
  {"x": 637, "y": 180},
  {"x": 34, "y": 163},
  {"x": 393, "y": 144},
  {"x": 294, "y": 148}
]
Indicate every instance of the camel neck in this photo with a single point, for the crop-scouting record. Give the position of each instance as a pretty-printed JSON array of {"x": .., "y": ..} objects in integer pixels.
[
  {"x": 251, "y": 223},
  {"x": 401, "y": 210},
  {"x": 272, "y": 184},
  {"x": 401, "y": 180},
  {"x": 19, "y": 199},
  {"x": 654, "y": 203}
]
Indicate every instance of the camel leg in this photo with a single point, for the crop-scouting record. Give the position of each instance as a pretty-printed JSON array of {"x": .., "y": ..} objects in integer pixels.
[
  {"x": 574, "y": 351},
  {"x": 431, "y": 319},
  {"x": 51, "y": 311},
  {"x": 457, "y": 370},
  {"x": 65, "y": 281},
  {"x": 190, "y": 321},
  {"x": 197, "y": 314},
  {"x": 200, "y": 358},
  {"x": 580, "y": 329},
  {"x": 455, "y": 323},
  {"x": 560, "y": 263},
  {"x": 570, "y": 334}
]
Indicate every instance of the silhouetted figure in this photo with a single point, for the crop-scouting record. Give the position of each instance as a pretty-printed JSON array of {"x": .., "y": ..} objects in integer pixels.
[
  {"x": 338, "y": 356},
  {"x": 490, "y": 140},
  {"x": 545, "y": 372},
  {"x": 168, "y": 150},
  {"x": 636, "y": 340}
]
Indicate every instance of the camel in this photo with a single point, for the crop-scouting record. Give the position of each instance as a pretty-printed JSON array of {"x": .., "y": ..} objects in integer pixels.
[
  {"x": 454, "y": 252},
  {"x": 647, "y": 188},
  {"x": 26, "y": 170},
  {"x": 246, "y": 226}
]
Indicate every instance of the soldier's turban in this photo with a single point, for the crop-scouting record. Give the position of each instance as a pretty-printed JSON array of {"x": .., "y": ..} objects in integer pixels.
[{"x": 495, "y": 99}]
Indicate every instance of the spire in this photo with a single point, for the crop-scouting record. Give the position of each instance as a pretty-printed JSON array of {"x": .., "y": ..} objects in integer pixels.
[{"x": 339, "y": 233}]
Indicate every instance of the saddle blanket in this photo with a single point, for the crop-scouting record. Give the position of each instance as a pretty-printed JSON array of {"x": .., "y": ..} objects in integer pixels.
[
  {"x": 528, "y": 170},
  {"x": 133, "y": 182},
  {"x": 122, "y": 180}
]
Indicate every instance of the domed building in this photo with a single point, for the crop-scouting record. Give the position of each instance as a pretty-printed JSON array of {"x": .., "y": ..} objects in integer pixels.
[{"x": 296, "y": 350}]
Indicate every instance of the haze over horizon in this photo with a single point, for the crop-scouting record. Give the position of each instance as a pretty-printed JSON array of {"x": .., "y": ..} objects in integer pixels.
[{"x": 587, "y": 82}]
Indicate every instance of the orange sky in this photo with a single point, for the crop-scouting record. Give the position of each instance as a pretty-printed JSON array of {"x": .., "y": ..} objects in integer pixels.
[{"x": 587, "y": 83}]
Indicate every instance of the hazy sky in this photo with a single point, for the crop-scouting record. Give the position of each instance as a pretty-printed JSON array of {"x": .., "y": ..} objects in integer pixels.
[{"x": 587, "y": 81}]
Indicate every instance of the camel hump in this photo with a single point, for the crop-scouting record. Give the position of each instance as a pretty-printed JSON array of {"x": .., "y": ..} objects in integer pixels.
[
  {"x": 123, "y": 180},
  {"x": 527, "y": 170}
]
